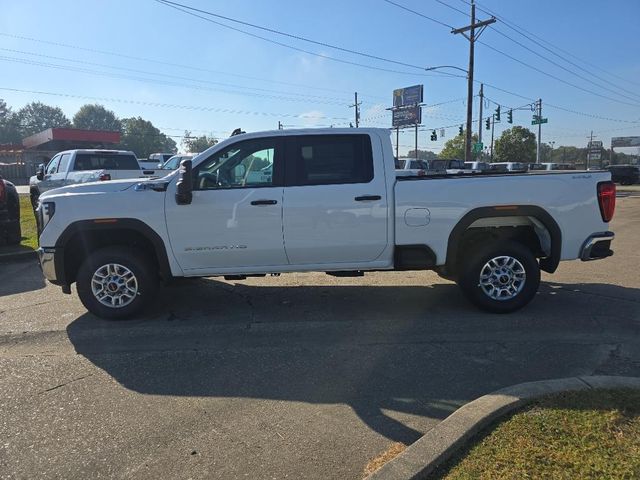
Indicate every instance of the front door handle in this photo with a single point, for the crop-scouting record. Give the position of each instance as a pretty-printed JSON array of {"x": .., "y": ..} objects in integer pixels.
[
  {"x": 264, "y": 202},
  {"x": 365, "y": 198}
]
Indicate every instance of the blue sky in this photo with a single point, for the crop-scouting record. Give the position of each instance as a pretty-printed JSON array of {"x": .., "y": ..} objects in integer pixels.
[{"x": 214, "y": 79}]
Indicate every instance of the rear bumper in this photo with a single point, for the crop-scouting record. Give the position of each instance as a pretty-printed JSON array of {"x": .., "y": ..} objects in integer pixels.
[{"x": 597, "y": 246}]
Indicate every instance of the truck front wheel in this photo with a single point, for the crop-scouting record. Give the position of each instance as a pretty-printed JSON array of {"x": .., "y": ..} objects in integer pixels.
[
  {"x": 501, "y": 277},
  {"x": 116, "y": 282}
]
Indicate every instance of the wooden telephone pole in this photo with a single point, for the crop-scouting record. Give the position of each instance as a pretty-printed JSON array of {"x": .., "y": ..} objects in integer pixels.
[{"x": 472, "y": 37}]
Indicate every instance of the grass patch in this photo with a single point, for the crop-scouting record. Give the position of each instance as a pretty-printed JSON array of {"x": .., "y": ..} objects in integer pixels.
[
  {"x": 29, "y": 229},
  {"x": 376, "y": 463},
  {"x": 588, "y": 434}
]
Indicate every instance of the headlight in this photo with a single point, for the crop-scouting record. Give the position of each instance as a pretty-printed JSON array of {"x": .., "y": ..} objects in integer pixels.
[{"x": 46, "y": 210}]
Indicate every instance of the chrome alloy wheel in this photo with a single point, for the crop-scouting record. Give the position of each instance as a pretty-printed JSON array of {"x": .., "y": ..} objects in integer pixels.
[
  {"x": 502, "y": 278},
  {"x": 114, "y": 285}
]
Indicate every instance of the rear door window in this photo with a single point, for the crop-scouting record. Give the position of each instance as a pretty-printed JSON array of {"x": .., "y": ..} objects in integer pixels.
[
  {"x": 105, "y": 161},
  {"x": 329, "y": 160}
]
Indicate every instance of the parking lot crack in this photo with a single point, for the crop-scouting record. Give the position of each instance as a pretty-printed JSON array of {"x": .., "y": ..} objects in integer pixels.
[{"x": 73, "y": 380}]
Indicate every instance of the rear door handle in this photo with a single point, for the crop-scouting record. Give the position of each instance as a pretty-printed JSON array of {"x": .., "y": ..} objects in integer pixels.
[
  {"x": 264, "y": 202},
  {"x": 365, "y": 198}
]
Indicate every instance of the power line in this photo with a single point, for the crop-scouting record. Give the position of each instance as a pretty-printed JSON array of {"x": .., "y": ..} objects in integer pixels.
[
  {"x": 516, "y": 60},
  {"x": 320, "y": 55},
  {"x": 306, "y": 97},
  {"x": 160, "y": 82},
  {"x": 582, "y": 77},
  {"x": 171, "y": 64},
  {"x": 419, "y": 14},
  {"x": 171, "y": 105},
  {"x": 555, "y": 77},
  {"x": 466, "y": 14},
  {"x": 289, "y": 35},
  {"x": 520, "y": 29}
]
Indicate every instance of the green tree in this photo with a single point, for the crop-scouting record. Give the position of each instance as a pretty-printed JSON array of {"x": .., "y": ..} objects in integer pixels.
[
  {"x": 517, "y": 144},
  {"x": 454, "y": 148},
  {"x": 9, "y": 131},
  {"x": 423, "y": 154},
  {"x": 197, "y": 144},
  {"x": 36, "y": 117},
  {"x": 141, "y": 137},
  {"x": 96, "y": 117}
]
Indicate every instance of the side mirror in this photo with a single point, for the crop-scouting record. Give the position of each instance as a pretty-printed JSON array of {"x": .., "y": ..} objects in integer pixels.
[
  {"x": 40, "y": 172},
  {"x": 184, "y": 186}
]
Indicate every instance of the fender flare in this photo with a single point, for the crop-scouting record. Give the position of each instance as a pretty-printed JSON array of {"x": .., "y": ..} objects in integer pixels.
[
  {"x": 136, "y": 225},
  {"x": 549, "y": 264}
]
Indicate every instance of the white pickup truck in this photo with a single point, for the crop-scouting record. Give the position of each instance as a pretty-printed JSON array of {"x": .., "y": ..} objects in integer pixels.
[
  {"x": 83, "y": 166},
  {"x": 331, "y": 203}
]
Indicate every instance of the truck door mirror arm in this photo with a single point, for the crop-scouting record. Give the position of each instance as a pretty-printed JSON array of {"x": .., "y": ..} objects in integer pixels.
[
  {"x": 40, "y": 172},
  {"x": 184, "y": 186}
]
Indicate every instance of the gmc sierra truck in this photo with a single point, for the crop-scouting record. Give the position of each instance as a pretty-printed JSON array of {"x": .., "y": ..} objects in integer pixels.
[
  {"x": 84, "y": 166},
  {"x": 323, "y": 200}
]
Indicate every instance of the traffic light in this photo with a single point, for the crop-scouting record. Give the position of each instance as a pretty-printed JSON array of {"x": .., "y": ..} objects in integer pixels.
[
  {"x": 434, "y": 136},
  {"x": 498, "y": 114},
  {"x": 510, "y": 116},
  {"x": 487, "y": 123},
  {"x": 460, "y": 130}
]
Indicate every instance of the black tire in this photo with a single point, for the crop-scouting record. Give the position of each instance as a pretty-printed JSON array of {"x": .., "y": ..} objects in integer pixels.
[
  {"x": 34, "y": 196},
  {"x": 137, "y": 262},
  {"x": 474, "y": 265}
]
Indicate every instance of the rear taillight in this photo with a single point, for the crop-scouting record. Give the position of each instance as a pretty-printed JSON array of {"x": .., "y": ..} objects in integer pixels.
[
  {"x": 104, "y": 176},
  {"x": 607, "y": 200},
  {"x": 3, "y": 191}
]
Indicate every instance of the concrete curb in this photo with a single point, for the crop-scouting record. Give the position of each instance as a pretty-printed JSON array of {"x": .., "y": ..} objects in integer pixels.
[
  {"x": 422, "y": 457},
  {"x": 18, "y": 256}
]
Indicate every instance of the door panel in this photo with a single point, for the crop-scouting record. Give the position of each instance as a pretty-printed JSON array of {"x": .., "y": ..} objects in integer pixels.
[
  {"x": 335, "y": 205},
  {"x": 222, "y": 229},
  {"x": 235, "y": 218}
]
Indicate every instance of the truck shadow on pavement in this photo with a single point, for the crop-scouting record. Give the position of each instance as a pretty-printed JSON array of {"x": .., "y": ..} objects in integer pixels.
[
  {"x": 386, "y": 351},
  {"x": 20, "y": 276}
]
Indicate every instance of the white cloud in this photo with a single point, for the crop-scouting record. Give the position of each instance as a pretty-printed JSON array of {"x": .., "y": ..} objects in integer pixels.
[{"x": 312, "y": 118}]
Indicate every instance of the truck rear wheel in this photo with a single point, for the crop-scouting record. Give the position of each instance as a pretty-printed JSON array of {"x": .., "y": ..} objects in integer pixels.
[
  {"x": 501, "y": 277},
  {"x": 116, "y": 282}
]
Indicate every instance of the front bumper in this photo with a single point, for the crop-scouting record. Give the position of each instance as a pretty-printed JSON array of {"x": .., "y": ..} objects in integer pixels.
[
  {"x": 48, "y": 264},
  {"x": 597, "y": 246}
]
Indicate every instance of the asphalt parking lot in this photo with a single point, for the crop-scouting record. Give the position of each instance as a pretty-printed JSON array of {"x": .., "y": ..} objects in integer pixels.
[{"x": 298, "y": 376}]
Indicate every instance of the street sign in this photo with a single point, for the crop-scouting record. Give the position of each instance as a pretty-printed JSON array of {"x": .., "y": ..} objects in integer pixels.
[
  {"x": 477, "y": 147},
  {"x": 594, "y": 155},
  {"x": 537, "y": 122},
  {"x": 406, "y": 116},
  {"x": 625, "y": 142},
  {"x": 403, "y": 97},
  {"x": 595, "y": 144}
]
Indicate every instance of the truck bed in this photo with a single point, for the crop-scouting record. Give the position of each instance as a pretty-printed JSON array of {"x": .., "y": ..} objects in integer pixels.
[{"x": 429, "y": 207}]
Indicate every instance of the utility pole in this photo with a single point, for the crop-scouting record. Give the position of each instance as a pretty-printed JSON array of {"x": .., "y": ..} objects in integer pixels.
[
  {"x": 357, "y": 107},
  {"x": 590, "y": 137},
  {"x": 539, "y": 105},
  {"x": 472, "y": 37},
  {"x": 397, "y": 140},
  {"x": 493, "y": 124},
  {"x": 480, "y": 116},
  {"x": 416, "y": 141}
]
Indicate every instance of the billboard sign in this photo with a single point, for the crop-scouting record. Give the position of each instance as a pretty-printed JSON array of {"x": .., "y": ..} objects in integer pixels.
[
  {"x": 406, "y": 116},
  {"x": 595, "y": 144},
  {"x": 403, "y": 97},
  {"x": 625, "y": 142}
]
